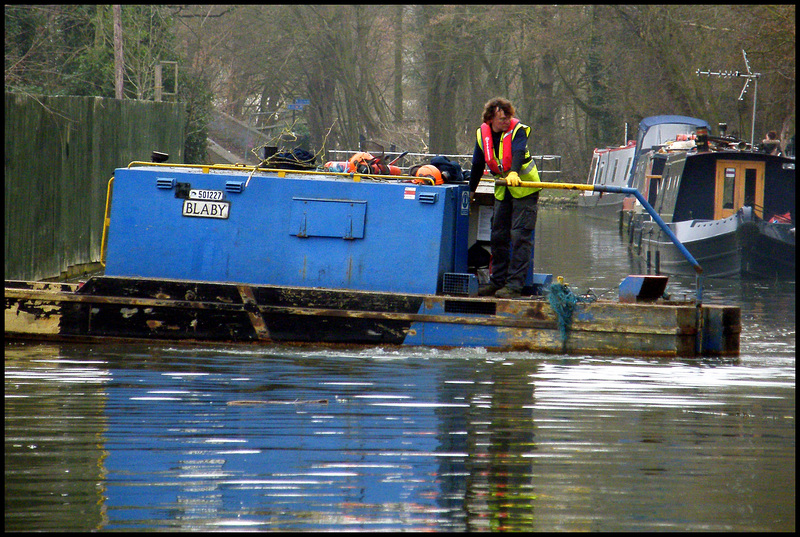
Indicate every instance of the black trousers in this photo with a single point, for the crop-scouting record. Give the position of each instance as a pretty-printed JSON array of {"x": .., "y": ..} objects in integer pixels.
[{"x": 513, "y": 222}]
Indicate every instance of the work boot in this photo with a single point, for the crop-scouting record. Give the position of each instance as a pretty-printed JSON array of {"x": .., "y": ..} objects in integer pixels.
[
  {"x": 508, "y": 292},
  {"x": 489, "y": 290}
]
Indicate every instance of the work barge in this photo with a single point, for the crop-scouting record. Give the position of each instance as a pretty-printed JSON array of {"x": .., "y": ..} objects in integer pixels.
[{"x": 252, "y": 255}]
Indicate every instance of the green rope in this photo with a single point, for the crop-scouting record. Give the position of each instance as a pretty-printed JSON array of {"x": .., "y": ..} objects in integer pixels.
[{"x": 563, "y": 302}]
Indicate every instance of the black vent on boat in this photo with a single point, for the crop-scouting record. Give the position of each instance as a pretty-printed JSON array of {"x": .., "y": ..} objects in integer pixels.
[
  {"x": 478, "y": 307},
  {"x": 454, "y": 283}
]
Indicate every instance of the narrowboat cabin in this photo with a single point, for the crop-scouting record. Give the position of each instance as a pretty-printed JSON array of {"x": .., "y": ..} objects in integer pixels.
[{"x": 616, "y": 166}]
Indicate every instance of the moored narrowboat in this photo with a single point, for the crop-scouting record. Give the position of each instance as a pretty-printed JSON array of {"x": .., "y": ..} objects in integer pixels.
[
  {"x": 615, "y": 166},
  {"x": 610, "y": 166},
  {"x": 731, "y": 206}
]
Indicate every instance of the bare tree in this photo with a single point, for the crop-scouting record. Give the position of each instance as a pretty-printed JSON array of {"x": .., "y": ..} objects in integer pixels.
[
  {"x": 119, "y": 59},
  {"x": 418, "y": 75}
]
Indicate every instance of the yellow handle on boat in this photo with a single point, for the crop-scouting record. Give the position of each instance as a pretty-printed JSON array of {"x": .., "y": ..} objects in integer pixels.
[
  {"x": 541, "y": 184},
  {"x": 106, "y": 223}
]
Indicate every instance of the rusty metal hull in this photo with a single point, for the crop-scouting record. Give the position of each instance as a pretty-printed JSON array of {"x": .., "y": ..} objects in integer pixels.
[{"x": 115, "y": 308}]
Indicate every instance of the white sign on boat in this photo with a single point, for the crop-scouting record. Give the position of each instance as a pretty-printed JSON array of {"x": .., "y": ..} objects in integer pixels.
[{"x": 206, "y": 209}]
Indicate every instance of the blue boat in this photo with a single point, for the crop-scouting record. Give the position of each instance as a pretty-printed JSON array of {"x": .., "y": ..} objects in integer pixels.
[
  {"x": 235, "y": 254},
  {"x": 616, "y": 166}
]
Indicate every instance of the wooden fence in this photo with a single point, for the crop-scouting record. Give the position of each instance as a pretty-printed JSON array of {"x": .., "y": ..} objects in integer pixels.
[{"x": 60, "y": 153}]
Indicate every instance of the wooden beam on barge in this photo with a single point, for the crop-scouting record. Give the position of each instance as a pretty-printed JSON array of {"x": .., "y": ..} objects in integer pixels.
[
  {"x": 227, "y": 312},
  {"x": 599, "y": 317}
]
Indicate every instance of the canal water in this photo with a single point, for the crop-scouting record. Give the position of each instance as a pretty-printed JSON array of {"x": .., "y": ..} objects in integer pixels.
[{"x": 167, "y": 437}]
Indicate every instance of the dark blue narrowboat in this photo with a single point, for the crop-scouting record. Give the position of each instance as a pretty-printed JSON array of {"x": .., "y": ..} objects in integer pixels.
[{"x": 730, "y": 205}]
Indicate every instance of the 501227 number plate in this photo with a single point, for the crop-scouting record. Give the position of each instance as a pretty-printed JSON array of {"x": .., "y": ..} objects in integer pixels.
[
  {"x": 206, "y": 209},
  {"x": 211, "y": 195}
]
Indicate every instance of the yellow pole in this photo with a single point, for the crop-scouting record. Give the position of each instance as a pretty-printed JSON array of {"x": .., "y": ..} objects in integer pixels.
[
  {"x": 541, "y": 184},
  {"x": 106, "y": 223}
]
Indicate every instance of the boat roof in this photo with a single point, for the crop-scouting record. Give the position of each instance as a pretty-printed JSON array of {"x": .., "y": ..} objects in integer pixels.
[
  {"x": 654, "y": 121},
  {"x": 648, "y": 122},
  {"x": 600, "y": 150}
]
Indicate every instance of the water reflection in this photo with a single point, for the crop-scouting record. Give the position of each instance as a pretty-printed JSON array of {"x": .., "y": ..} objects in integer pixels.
[
  {"x": 491, "y": 487},
  {"x": 55, "y": 421},
  {"x": 131, "y": 437},
  {"x": 588, "y": 253},
  {"x": 380, "y": 439}
]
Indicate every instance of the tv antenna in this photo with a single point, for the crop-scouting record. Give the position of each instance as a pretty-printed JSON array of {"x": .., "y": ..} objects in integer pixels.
[{"x": 749, "y": 75}]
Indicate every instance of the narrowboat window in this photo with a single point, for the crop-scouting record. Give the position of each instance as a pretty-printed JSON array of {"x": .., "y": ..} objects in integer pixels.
[
  {"x": 750, "y": 187},
  {"x": 727, "y": 189},
  {"x": 614, "y": 172},
  {"x": 653, "y": 191}
]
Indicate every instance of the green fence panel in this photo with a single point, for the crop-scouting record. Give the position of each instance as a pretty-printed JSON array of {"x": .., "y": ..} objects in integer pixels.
[{"x": 60, "y": 153}]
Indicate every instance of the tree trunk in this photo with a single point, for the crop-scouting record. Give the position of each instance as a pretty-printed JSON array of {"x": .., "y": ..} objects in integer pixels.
[
  {"x": 441, "y": 97},
  {"x": 600, "y": 129},
  {"x": 321, "y": 91},
  {"x": 119, "y": 63},
  {"x": 398, "y": 64},
  {"x": 442, "y": 61},
  {"x": 545, "y": 117}
]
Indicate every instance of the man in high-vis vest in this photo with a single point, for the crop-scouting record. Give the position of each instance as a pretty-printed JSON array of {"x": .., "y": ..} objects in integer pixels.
[{"x": 502, "y": 145}]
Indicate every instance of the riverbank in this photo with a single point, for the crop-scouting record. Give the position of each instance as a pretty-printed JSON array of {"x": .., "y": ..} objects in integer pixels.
[{"x": 559, "y": 198}]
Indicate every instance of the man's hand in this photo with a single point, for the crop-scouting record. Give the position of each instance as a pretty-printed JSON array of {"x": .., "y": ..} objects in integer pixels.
[{"x": 512, "y": 179}]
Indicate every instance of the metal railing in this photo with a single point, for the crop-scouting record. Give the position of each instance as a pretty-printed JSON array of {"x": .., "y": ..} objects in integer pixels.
[{"x": 547, "y": 165}]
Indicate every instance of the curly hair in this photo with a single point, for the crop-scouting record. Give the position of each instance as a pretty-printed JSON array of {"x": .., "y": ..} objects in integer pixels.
[{"x": 491, "y": 107}]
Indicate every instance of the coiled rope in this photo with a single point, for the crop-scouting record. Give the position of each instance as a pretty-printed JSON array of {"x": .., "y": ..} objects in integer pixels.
[{"x": 563, "y": 302}]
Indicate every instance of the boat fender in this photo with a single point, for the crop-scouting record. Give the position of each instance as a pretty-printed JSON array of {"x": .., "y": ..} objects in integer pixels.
[{"x": 785, "y": 218}]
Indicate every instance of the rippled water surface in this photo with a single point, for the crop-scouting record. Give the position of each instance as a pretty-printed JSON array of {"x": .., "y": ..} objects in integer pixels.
[{"x": 165, "y": 437}]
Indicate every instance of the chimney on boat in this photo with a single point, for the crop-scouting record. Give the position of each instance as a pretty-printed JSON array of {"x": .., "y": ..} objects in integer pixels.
[{"x": 702, "y": 139}]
